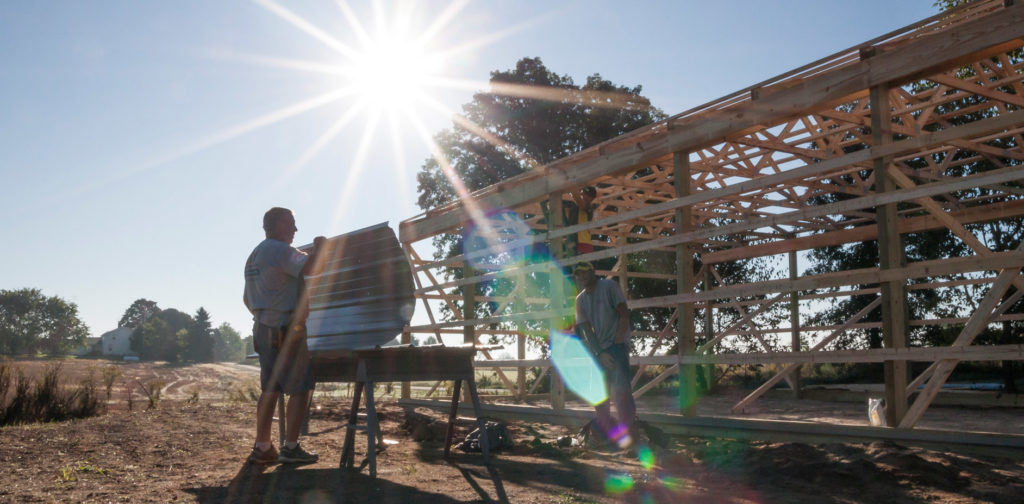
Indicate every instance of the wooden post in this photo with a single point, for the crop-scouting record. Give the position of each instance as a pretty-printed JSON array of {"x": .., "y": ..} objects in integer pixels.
[
  {"x": 406, "y": 386},
  {"x": 468, "y": 306},
  {"x": 794, "y": 323},
  {"x": 624, "y": 271},
  {"x": 519, "y": 306},
  {"x": 558, "y": 293},
  {"x": 684, "y": 279},
  {"x": 890, "y": 256},
  {"x": 468, "y": 311},
  {"x": 709, "y": 323}
]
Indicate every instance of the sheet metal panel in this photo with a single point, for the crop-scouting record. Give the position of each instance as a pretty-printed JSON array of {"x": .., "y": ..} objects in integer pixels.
[{"x": 364, "y": 295}]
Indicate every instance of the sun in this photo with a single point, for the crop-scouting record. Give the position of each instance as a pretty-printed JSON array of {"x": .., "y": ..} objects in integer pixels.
[
  {"x": 393, "y": 73},
  {"x": 387, "y": 74}
]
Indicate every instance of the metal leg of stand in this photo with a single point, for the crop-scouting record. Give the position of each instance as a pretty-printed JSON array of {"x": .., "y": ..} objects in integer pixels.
[
  {"x": 485, "y": 439},
  {"x": 371, "y": 430},
  {"x": 348, "y": 451}
]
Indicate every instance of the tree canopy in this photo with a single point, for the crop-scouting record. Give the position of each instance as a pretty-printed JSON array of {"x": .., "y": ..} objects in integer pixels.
[
  {"x": 31, "y": 322},
  {"x": 138, "y": 313},
  {"x": 531, "y": 116}
]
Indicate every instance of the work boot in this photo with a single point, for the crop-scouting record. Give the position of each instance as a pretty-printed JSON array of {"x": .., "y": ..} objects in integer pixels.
[
  {"x": 268, "y": 456},
  {"x": 296, "y": 456}
]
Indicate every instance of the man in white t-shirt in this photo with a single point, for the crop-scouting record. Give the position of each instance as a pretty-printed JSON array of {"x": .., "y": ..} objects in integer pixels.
[
  {"x": 273, "y": 294},
  {"x": 602, "y": 318}
]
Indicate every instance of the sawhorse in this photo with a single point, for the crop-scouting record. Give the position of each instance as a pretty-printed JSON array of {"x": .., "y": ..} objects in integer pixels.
[{"x": 390, "y": 364}]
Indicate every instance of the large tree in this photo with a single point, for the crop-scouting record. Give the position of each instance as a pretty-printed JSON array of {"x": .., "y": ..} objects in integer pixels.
[
  {"x": 31, "y": 322},
  {"x": 227, "y": 344},
  {"x": 164, "y": 336},
  {"x": 200, "y": 341},
  {"x": 530, "y": 117},
  {"x": 138, "y": 313}
]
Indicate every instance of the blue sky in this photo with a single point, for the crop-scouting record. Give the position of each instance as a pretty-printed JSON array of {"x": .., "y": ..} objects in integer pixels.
[{"x": 141, "y": 142}]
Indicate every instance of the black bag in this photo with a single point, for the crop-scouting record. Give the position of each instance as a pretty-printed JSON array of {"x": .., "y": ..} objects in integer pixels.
[{"x": 498, "y": 437}]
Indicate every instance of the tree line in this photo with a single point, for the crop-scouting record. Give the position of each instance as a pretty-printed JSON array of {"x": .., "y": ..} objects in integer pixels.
[
  {"x": 175, "y": 336},
  {"x": 32, "y": 323}
]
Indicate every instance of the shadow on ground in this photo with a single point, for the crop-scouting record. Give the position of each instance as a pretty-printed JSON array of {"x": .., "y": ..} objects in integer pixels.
[{"x": 280, "y": 483}]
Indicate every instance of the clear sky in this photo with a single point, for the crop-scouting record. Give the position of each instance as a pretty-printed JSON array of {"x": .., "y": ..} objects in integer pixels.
[{"x": 141, "y": 142}]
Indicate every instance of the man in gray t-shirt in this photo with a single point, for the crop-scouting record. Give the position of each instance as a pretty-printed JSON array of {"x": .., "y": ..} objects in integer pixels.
[
  {"x": 273, "y": 282},
  {"x": 602, "y": 318}
]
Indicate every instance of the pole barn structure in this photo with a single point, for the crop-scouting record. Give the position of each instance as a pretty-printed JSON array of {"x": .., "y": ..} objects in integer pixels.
[{"x": 860, "y": 146}]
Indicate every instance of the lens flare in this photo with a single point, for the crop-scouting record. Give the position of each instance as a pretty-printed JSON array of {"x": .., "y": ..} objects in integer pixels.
[
  {"x": 487, "y": 246},
  {"x": 620, "y": 435},
  {"x": 646, "y": 457},
  {"x": 673, "y": 483},
  {"x": 618, "y": 484},
  {"x": 577, "y": 367}
]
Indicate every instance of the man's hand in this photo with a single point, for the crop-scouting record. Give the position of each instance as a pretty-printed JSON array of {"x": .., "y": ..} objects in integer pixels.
[
  {"x": 313, "y": 264},
  {"x": 606, "y": 359}
]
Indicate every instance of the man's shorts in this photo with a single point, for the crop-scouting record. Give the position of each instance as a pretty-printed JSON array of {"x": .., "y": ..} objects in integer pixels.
[{"x": 286, "y": 369}]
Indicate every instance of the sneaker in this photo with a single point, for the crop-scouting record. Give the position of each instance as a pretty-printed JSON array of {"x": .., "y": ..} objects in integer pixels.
[
  {"x": 268, "y": 456},
  {"x": 296, "y": 456}
]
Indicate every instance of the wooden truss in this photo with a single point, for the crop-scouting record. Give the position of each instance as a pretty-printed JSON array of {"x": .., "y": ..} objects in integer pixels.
[{"x": 867, "y": 144}]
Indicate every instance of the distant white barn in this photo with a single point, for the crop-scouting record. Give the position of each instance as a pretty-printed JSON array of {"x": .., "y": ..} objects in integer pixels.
[
  {"x": 89, "y": 347},
  {"x": 117, "y": 342}
]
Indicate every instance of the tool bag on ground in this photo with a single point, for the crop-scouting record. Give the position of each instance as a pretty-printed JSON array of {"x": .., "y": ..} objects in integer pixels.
[{"x": 498, "y": 437}]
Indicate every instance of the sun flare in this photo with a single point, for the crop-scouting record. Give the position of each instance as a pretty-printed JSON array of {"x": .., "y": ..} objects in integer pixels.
[{"x": 392, "y": 73}]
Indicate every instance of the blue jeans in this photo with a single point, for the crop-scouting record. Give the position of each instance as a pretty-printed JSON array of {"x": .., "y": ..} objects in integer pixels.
[
  {"x": 284, "y": 360},
  {"x": 619, "y": 391}
]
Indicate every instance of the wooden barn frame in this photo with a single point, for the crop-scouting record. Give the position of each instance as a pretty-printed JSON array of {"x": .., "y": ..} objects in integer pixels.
[{"x": 735, "y": 178}]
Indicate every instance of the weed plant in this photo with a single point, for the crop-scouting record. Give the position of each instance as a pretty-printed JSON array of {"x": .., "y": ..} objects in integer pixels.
[
  {"x": 152, "y": 390},
  {"x": 110, "y": 375},
  {"x": 45, "y": 399}
]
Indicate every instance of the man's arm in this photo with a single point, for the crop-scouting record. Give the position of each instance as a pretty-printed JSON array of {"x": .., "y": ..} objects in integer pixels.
[
  {"x": 623, "y": 329},
  {"x": 313, "y": 266}
]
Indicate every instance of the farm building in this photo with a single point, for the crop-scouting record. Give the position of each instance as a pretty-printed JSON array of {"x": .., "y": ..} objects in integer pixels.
[{"x": 117, "y": 342}]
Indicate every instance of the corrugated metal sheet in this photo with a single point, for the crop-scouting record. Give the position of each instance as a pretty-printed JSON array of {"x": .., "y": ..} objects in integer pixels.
[{"x": 364, "y": 295}]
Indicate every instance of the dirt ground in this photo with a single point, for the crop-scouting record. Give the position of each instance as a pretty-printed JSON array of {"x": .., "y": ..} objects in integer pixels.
[{"x": 192, "y": 448}]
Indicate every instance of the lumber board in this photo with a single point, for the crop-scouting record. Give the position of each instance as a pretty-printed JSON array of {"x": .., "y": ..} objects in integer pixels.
[
  {"x": 972, "y": 215},
  {"x": 745, "y": 428},
  {"x": 996, "y": 261}
]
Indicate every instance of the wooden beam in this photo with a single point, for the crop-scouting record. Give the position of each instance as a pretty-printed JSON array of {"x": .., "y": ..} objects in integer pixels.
[
  {"x": 996, "y": 315},
  {"x": 794, "y": 323},
  {"x": 966, "y": 336},
  {"x": 997, "y": 261},
  {"x": 976, "y": 353},
  {"x": 795, "y": 367},
  {"x": 971, "y": 40},
  {"x": 890, "y": 257},
  {"x": 684, "y": 282},
  {"x": 769, "y": 430},
  {"x": 908, "y": 145},
  {"x": 985, "y": 213},
  {"x": 557, "y": 290},
  {"x": 924, "y": 190}
]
